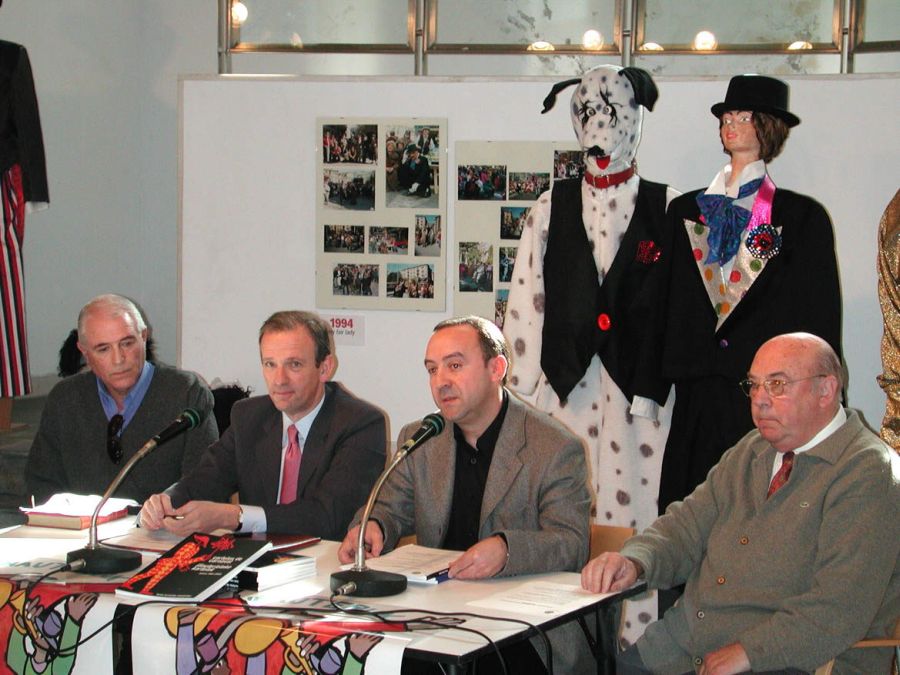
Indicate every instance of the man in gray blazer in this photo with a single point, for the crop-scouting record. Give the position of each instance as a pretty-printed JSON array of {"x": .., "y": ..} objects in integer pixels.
[
  {"x": 338, "y": 446},
  {"x": 504, "y": 483},
  {"x": 789, "y": 548}
]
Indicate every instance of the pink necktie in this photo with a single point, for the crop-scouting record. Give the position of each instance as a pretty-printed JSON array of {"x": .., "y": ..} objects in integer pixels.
[
  {"x": 784, "y": 472},
  {"x": 291, "y": 468}
]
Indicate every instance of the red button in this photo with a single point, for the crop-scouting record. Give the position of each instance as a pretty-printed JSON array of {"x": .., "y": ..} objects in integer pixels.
[{"x": 603, "y": 322}]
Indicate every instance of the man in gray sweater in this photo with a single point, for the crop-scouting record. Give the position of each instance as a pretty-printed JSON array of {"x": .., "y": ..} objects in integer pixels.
[
  {"x": 789, "y": 549},
  {"x": 95, "y": 421}
]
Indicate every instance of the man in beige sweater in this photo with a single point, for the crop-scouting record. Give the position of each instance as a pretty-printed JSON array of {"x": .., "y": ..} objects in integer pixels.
[{"x": 789, "y": 548}]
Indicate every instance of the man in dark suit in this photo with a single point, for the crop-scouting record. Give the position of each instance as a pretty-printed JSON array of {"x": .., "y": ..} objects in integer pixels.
[
  {"x": 302, "y": 459},
  {"x": 505, "y": 484}
]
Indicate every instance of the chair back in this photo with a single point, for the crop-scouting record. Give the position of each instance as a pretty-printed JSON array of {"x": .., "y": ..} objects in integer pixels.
[{"x": 609, "y": 538}]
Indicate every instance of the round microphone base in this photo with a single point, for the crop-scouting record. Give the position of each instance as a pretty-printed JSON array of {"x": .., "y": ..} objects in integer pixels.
[
  {"x": 105, "y": 560},
  {"x": 369, "y": 583}
]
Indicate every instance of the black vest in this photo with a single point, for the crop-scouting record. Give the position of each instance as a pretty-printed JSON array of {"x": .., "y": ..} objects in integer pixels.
[{"x": 583, "y": 316}]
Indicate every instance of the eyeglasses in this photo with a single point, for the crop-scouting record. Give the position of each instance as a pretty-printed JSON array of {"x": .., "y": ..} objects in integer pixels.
[
  {"x": 731, "y": 121},
  {"x": 774, "y": 388},
  {"x": 113, "y": 442}
]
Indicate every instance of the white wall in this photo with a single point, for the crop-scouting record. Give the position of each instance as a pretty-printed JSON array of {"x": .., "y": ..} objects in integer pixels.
[{"x": 106, "y": 77}]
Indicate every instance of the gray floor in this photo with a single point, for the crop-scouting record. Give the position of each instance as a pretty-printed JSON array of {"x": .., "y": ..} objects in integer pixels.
[{"x": 14, "y": 446}]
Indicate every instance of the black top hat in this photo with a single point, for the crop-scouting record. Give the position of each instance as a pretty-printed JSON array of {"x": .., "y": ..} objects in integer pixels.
[{"x": 757, "y": 93}]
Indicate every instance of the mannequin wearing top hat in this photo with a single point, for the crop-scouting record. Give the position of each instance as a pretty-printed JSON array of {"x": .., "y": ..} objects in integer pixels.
[{"x": 748, "y": 261}]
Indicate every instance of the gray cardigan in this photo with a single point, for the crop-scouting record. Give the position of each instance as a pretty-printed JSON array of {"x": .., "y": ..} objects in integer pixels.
[
  {"x": 69, "y": 450},
  {"x": 797, "y": 578}
]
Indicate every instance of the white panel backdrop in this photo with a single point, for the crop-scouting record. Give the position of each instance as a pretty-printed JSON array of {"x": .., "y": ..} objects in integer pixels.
[{"x": 248, "y": 191}]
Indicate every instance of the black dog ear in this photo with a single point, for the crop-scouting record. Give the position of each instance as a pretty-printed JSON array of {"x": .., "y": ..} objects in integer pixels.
[
  {"x": 550, "y": 99},
  {"x": 645, "y": 92}
]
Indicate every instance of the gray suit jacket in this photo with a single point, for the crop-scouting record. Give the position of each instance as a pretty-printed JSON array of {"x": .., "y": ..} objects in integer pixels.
[
  {"x": 536, "y": 493},
  {"x": 342, "y": 456}
]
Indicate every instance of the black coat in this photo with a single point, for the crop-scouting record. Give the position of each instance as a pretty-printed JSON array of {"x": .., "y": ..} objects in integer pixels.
[
  {"x": 21, "y": 141},
  {"x": 797, "y": 290}
]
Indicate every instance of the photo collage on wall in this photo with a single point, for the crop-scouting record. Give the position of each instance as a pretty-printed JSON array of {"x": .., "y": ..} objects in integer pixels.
[
  {"x": 497, "y": 182},
  {"x": 381, "y": 217}
]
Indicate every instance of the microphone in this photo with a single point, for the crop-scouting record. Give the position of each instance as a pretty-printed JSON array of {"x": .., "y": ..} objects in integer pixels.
[
  {"x": 189, "y": 419},
  {"x": 100, "y": 560},
  {"x": 360, "y": 580},
  {"x": 432, "y": 425}
]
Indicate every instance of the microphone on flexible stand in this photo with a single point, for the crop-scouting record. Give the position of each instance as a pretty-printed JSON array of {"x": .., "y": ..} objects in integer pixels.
[
  {"x": 360, "y": 580},
  {"x": 101, "y": 560}
]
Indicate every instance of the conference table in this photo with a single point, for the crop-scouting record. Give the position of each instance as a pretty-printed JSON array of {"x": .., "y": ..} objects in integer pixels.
[{"x": 290, "y": 629}]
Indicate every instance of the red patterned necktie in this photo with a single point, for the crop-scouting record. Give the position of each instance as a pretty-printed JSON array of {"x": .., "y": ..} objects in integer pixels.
[
  {"x": 787, "y": 463},
  {"x": 291, "y": 469}
]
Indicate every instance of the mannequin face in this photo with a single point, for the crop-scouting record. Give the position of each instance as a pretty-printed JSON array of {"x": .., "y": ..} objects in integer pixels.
[
  {"x": 607, "y": 120},
  {"x": 738, "y": 133}
]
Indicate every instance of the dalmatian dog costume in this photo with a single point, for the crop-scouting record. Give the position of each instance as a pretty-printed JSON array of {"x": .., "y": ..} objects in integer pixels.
[{"x": 574, "y": 317}]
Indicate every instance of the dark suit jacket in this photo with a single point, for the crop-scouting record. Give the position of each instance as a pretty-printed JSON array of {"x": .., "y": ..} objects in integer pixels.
[
  {"x": 798, "y": 290},
  {"x": 21, "y": 141},
  {"x": 342, "y": 456}
]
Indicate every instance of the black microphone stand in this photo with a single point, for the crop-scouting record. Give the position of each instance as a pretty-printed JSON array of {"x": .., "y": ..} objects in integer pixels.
[
  {"x": 104, "y": 560},
  {"x": 359, "y": 579}
]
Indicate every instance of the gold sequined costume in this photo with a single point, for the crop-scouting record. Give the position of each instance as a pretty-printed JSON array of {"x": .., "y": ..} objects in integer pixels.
[{"x": 889, "y": 297}]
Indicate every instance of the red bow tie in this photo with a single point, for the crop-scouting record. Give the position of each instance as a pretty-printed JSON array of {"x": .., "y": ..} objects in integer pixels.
[{"x": 610, "y": 179}]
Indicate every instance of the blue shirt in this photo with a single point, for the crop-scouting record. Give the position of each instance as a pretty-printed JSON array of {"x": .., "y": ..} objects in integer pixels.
[{"x": 133, "y": 398}]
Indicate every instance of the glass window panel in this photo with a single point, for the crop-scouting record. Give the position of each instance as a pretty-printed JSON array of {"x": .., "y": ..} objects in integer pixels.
[
  {"x": 727, "y": 65},
  {"x": 749, "y": 22},
  {"x": 305, "y": 23},
  {"x": 520, "y": 23},
  {"x": 880, "y": 21}
]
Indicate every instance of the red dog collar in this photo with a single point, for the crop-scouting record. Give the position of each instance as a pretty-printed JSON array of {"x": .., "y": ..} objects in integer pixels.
[{"x": 610, "y": 179}]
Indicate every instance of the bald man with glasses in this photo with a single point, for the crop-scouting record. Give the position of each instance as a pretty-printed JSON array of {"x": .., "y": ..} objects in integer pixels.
[{"x": 788, "y": 549}]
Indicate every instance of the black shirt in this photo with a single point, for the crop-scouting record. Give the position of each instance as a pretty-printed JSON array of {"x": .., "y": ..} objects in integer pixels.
[{"x": 472, "y": 466}]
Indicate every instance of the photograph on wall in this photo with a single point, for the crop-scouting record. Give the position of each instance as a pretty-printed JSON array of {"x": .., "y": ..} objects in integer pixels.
[
  {"x": 568, "y": 164},
  {"x": 353, "y": 144},
  {"x": 512, "y": 221},
  {"x": 500, "y": 302},
  {"x": 350, "y": 279},
  {"x": 410, "y": 281},
  {"x": 528, "y": 185},
  {"x": 488, "y": 228},
  {"x": 412, "y": 169},
  {"x": 507, "y": 262},
  {"x": 428, "y": 235},
  {"x": 352, "y": 189},
  {"x": 389, "y": 240},
  {"x": 344, "y": 238},
  {"x": 476, "y": 267},
  {"x": 480, "y": 181},
  {"x": 382, "y": 213}
]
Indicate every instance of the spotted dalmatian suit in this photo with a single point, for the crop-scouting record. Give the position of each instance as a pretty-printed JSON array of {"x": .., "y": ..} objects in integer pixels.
[{"x": 573, "y": 316}]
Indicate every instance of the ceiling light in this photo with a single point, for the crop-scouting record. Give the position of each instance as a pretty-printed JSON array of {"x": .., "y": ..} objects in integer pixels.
[
  {"x": 705, "y": 41},
  {"x": 238, "y": 12},
  {"x": 541, "y": 46},
  {"x": 800, "y": 44},
  {"x": 592, "y": 39}
]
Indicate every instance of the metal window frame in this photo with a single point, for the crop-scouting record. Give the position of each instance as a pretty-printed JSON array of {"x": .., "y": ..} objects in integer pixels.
[
  {"x": 640, "y": 22},
  {"x": 434, "y": 46},
  {"x": 629, "y": 30}
]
